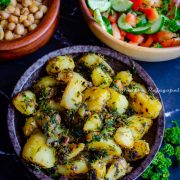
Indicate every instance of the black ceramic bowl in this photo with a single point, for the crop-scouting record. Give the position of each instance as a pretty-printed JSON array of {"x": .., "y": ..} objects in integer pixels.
[{"x": 118, "y": 62}]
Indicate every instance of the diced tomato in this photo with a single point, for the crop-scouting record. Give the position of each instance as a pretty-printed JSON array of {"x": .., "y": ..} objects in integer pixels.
[
  {"x": 171, "y": 42},
  {"x": 123, "y": 34},
  {"x": 113, "y": 18},
  {"x": 136, "y": 4},
  {"x": 91, "y": 11},
  {"x": 163, "y": 35},
  {"x": 116, "y": 32},
  {"x": 148, "y": 42},
  {"x": 135, "y": 38},
  {"x": 151, "y": 13},
  {"x": 131, "y": 19}
]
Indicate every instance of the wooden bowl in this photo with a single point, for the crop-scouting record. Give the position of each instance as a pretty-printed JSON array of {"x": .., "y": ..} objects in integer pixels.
[
  {"x": 36, "y": 39},
  {"x": 118, "y": 62},
  {"x": 136, "y": 52}
]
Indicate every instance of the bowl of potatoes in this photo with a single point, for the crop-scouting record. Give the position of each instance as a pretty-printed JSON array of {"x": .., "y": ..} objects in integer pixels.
[
  {"x": 26, "y": 25},
  {"x": 86, "y": 112}
]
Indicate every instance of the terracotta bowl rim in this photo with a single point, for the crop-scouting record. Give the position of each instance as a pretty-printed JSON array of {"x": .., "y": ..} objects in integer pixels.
[
  {"x": 90, "y": 20},
  {"x": 39, "y": 64},
  {"x": 42, "y": 28}
]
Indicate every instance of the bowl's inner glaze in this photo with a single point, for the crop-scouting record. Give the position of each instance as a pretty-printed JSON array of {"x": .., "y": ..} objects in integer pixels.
[{"x": 118, "y": 62}]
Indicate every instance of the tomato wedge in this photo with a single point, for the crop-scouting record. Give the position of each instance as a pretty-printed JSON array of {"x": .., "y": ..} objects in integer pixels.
[
  {"x": 171, "y": 42},
  {"x": 137, "y": 39},
  {"x": 136, "y": 4},
  {"x": 113, "y": 18},
  {"x": 151, "y": 13},
  {"x": 163, "y": 35},
  {"x": 131, "y": 19},
  {"x": 148, "y": 42}
]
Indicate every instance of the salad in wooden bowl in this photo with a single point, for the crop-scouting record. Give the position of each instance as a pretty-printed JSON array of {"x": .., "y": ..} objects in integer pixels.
[{"x": 138, "y": 28}]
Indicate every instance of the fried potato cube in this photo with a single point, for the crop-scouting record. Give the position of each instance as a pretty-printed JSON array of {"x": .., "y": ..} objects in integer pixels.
[
  {"x": 124, "y": 137},
  {"x": 36, "y": 151},
  {"x": 60, "y": 64},
  {"x": 25, "y": 102},
  {"x": 139, "y": 151},
  {"x": 125, "y": 77},
  {"x": 96, "y": 98}
]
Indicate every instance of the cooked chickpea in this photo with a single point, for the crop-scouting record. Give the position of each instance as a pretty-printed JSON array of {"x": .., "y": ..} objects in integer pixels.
[
  {"x": 13, "y": 19},
  {"x": 4, "y": 23},
  {"x": 32, "y": 27},
  {"x": 25, "y": 11},
  {"x": 11, "y": 26},
  {"x": 4, "y": 14},
  {"x": 33, "y": 8},
  {"x": 22, "y": 18},
  {"x": 27, "y": 23},
  {"x": 43, "y": 8},
  {"x": 26, "y": 3},
  {"x": 19, "y": 6},
  {"x": 19, "y": 29},
  {"x": 17, "y": 12},
  {"x": 10, "y": 9},
  {"x": 13, "y": 3},
  {"x": 38, "y": 15},
  {"x": 30, "y": 17},
  {"x": 9, "y": 35},
  {"x": 1, "y": 33}
]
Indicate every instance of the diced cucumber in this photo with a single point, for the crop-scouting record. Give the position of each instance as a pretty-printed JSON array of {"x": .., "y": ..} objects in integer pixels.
[
  {"x": 108, "y": 25},
  {"x": 102, "y": 5},
  {"x": 140, "y": 30},
  {"x": 156, "y": 26},
  {"x": 98, "y": 18},
  {"x": 122, "y": 23},
  {"x": 121, "y": 5},
  {"x": 141, "y": 21}
]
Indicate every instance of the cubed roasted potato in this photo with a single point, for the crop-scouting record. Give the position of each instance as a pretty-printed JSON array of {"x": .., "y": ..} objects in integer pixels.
[
  {"x": 139, "y": 126},
  {"x": 101, "y": 78},
  {"x": 36, "y": 151},
  {"x": 106, "y": 144},
  {"x": 59, "y": 64},
  {"x": 73, "y": 168},
  {"x": 117, "y": 102},
  {"x": 93, "y": 123},
  {"x": 139, "y": 151},
  {"x": 145, "y": 105},
  {"x": 30, "y": 126},
  {"x": 124, "y": 137},
  {"x": 72, "y": 96},
  {"x": 65, "y": 76},
  {"x": 25, "y": 102},
  {"x": 92, "y": 60},
  {"x": 44, "y": 82},
  {"x": 125, "y": 77},
  {"x": 118, "y": 169},
  {"x": 75, "y": 150},
  {"x": 99, "y": 168},
  {"x": 96, "y": 98}
]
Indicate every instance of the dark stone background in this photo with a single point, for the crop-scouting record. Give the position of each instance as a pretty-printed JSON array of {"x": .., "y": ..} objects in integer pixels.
[{"x": 72, "y": 30}]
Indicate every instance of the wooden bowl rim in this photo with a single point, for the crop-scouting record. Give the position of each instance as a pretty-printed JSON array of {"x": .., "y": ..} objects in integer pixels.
[
  {"x": 90, "y": 20},
  {"x": 11, "y": 115},
  {"x": 42, "y": 28}
]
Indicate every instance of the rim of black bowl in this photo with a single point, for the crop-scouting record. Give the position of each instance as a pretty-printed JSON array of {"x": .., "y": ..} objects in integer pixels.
[{"x": 84, "y": 49}]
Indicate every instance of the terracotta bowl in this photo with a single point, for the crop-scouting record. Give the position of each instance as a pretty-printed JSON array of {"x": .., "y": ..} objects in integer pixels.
[
  {"x": 36, "y": 39},
  {"x": 136, "y": 52},
  {"x": 118, "y": 62}
]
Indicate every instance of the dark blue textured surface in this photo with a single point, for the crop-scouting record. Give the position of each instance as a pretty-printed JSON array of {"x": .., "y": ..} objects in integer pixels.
[{"x": 72, "y": 30}]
